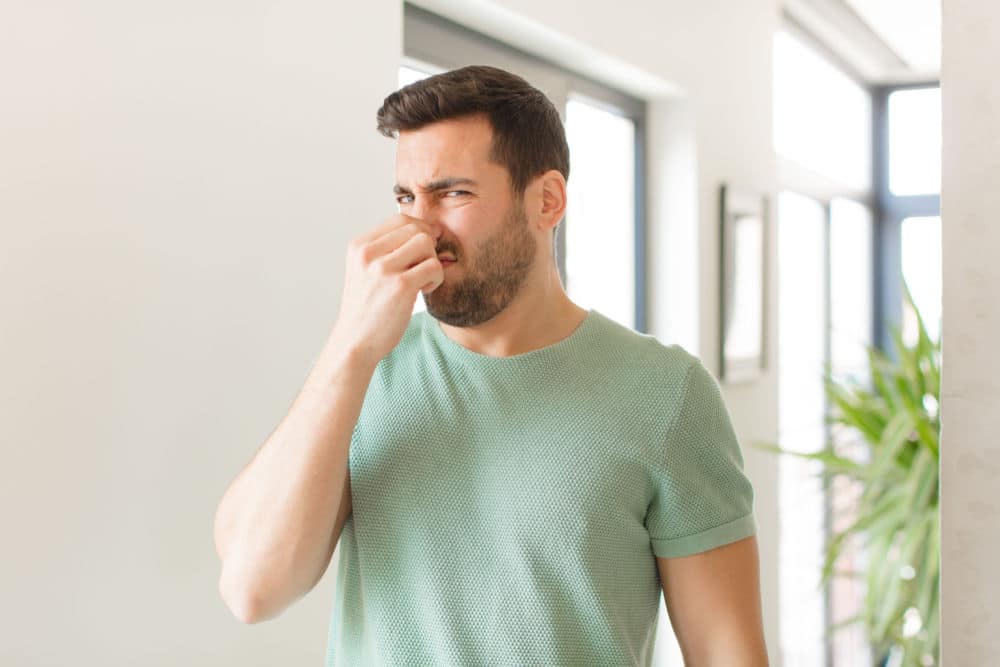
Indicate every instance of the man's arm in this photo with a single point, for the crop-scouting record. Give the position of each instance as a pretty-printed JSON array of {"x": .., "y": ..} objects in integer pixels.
[
  {"x": 278, "y": 524},
  {"x": 713, "y": 600},
  {"x": 273, "y": 526}
]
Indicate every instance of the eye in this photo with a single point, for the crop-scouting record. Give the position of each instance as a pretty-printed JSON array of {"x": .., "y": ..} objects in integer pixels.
[
  {"x": 451, "y": 192},
  {"x": 399, "y": 200}
]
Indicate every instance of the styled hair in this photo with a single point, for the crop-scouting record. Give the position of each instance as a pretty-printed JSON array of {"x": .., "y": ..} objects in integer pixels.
[{"x": 528, "y": 134}]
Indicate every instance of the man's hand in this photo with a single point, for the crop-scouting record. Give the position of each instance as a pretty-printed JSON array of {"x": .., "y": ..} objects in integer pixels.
[{"x": 384, "y": 270}]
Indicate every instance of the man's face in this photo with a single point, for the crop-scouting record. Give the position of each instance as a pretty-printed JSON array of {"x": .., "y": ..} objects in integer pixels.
[{"x": 443, "y": 175}]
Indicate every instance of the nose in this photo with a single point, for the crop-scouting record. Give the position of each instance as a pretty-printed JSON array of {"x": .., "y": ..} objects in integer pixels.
[
  {"x": 420, "y": 207},
  {"x": 436, "y": 228},
  {"x": 428, "y": 216}
]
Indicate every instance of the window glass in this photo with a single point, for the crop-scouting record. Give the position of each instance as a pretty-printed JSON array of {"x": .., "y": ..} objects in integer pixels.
[
  {"x": 915, "y": 141},
  {"x": 600, "y": 213},
  {"x": 921, "y": 249},
  {"x": 802, "y": 323},
  {"x": 822, "y": 118},
  {"x": 851, "y": 289},
  {"x": 851, "y": 286}
]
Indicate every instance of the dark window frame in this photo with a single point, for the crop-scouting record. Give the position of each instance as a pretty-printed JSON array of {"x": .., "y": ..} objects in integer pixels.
[{"x": 890, "y": 211}]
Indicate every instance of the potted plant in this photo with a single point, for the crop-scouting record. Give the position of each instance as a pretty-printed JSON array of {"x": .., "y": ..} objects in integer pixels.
[{"x": 896, "y": 515}]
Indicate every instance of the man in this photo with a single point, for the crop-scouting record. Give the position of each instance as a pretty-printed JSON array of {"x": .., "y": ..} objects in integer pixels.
[{"x": 512, "y": 478}]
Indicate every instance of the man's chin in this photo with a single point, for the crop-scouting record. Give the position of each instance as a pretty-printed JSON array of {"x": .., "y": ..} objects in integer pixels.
[
  {"x": 451, "y": 316},
  {"x": 445, "y": 316}
]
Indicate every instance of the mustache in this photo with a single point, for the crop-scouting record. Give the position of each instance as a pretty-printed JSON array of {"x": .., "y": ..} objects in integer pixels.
[{"x": 448, "y": 249}]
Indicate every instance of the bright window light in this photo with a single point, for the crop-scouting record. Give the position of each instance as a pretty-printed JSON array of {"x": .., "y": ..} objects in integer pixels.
[
  {"x": 802, "y": 321},
  {"x": 822, "y": 118},
  {"x": 922, "y": 272},
  {"x": 851, "y": 281},
  {"x": 600, "y": 214},
  {"x": 851, "y": 286},
  {"x": 915, "y": 141}
]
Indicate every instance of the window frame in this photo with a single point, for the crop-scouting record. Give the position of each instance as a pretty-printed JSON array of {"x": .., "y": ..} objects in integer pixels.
[
  {"x": 822, "y": 189},
  {"x": 890, "y": 211}
]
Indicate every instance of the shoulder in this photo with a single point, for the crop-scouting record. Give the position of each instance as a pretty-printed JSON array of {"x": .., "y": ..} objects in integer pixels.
[{"x": 642, "y": 356}]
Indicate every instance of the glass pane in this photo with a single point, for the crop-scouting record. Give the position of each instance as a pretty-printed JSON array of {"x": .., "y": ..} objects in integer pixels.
[
  {"x": 600, "y": 213},
  {"x": 851, "y": 290},
  {"x": 915, "y": 141},
  {"x": 802, "y": 322},
  {"x": 922, "y": 272},
  {"x": 822, "y": 118},
  {"x": 851, "y": 286}
]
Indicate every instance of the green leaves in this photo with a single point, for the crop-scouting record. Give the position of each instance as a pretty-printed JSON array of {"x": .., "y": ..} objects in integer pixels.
[{"x": 896, "y": 515}]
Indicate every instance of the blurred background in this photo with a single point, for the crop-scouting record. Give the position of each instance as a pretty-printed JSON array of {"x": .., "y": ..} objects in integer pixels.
[{"x": 178, "y": 182}]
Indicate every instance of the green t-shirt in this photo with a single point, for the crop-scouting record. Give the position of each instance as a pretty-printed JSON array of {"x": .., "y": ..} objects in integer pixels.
[{"x": 508, "y": 510}]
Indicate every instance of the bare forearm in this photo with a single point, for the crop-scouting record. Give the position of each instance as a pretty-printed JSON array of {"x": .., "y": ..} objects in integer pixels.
[
  {"x": 749, "y": 653},
  {"x": 274, "y": 526}
]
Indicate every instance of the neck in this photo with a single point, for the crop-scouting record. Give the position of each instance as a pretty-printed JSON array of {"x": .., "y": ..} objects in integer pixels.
[{"x": 541, "y": 315}]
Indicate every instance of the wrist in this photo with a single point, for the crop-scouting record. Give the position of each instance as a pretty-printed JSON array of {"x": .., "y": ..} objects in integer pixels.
[{"x": 343, "y": 361}]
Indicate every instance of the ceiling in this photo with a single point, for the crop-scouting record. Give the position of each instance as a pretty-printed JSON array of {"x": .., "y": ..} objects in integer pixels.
[
  {"x": 880, "y": 41},
  {"x": 911, "y": 28}
]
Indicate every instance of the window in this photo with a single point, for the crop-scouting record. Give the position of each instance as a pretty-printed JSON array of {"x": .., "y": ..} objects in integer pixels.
[
  {"x": 823, "y": 137},
  {"x": 600, "y": 230},
  {"x": 801, "y": 330},
  {"x": 850, "y": 334},
  {"x": 822, "y": 118},
  {"x": 921, "y": 250},
  {"x": 915, "y": 141},
  {"x": 600, "y": 244},
  {"x": 908, "y": 178},
  {"x": 875, "y": 185},
  {"x": 851, "y": 280}
]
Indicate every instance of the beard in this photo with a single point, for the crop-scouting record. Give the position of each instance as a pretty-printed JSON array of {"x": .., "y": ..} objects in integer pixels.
[{"x": 492, "y": 277}]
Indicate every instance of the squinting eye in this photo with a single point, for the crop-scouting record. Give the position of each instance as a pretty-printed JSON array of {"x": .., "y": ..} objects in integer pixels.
[
  {"x": 458, "y": 191},
  {"x": 399, "y": 200}
]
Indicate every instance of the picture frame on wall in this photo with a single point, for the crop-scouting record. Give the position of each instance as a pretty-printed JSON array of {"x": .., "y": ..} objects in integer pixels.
[{"x": 743, "y": 227}]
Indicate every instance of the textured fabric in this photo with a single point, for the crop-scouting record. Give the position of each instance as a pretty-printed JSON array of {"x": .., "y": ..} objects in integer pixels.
[{"x": 508, "y": 511}]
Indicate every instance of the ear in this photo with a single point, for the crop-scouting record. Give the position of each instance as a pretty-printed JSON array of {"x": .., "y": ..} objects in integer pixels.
[{"x": 549, "y": 202}]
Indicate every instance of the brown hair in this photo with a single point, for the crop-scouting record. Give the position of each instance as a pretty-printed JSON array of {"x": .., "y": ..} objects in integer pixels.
[{"x": 528, "y": 134}]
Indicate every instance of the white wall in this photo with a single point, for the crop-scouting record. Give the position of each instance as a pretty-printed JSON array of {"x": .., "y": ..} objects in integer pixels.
[
  {"x": 970, "y": 389},
  {"x": 177, "y": 185},
  {"x": 178, "y": 181}
]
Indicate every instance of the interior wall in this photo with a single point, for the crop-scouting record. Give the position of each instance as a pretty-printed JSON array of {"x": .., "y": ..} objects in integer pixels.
[
  {"x": 970, "y": 391},
  {"x": 178, "y": 183},
  {"x": 177, "y": 187}
]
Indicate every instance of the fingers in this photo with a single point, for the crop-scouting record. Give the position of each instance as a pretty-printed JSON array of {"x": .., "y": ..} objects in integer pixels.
[
  {"x": 392, "y": 240},
  {"x": 417, "y": 248},
  {"x": 398, "y": 220},
  {"x": 428, "y": 273}
]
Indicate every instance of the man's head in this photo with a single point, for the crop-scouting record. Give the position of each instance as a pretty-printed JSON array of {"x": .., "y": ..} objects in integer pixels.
[{"x": 505, "y": 141}]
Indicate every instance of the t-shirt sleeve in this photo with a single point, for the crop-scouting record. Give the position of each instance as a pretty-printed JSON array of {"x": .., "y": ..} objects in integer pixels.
[{"x": 702, "y": 498}]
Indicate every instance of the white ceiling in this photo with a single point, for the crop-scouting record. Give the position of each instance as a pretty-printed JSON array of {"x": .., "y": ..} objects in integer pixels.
[
  {"x": 881, "y": 41},
  {"x": 911, "y": 28}
]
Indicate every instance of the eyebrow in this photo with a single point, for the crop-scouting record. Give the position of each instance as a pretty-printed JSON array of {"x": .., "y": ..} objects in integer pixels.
[{"x": 434, "y": 186}]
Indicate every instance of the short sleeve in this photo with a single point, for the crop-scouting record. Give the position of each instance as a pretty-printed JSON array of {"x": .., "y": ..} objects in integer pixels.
[{"x": 702, "y": 499}]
